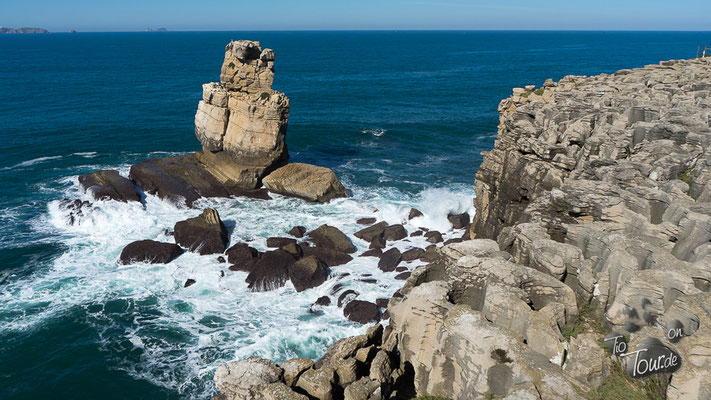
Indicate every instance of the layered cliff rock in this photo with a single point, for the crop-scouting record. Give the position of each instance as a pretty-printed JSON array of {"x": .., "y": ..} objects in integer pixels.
[{"x": 593, "y": 226}]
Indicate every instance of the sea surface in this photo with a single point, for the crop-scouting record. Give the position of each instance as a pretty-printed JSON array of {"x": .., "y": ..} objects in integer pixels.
[{"x": 401, "y": 117}]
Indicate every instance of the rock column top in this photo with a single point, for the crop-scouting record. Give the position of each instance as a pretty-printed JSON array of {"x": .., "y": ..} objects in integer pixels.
[{"x": 247, "y": 68}]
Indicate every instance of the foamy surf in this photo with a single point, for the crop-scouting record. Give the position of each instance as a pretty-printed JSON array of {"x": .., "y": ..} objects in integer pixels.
[
  {"x": 33, "y": 161},
  {"x": 175, "y": 337}
]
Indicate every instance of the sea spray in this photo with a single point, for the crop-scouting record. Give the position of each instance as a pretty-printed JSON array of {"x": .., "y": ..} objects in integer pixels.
[{"x": 175, "y": 337}]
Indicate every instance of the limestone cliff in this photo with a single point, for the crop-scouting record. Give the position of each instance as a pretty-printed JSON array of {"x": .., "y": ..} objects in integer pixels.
[{"x": 593, "y": 222}]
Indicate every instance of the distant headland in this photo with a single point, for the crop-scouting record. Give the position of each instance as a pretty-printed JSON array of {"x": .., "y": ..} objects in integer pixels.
[{"x": 22, "y": 30}]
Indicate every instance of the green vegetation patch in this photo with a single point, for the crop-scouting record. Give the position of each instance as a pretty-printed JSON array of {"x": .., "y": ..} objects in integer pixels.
[
  {"x": 586, "y": 321},
  {"x": 264, "y": 95},
  {"x": 685, "y": 176},
  {"x": 619, "y": 386}
]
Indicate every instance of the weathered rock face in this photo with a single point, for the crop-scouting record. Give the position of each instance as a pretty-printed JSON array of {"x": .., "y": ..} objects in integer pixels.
[{"x": 241, "y": 122}]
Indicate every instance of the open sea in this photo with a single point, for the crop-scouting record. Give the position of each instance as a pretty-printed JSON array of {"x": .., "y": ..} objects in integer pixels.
[{"x": 401, "y": 117}]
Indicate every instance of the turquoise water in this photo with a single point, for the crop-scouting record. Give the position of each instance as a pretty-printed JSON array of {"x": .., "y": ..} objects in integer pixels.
[{"x": 400, "y": 116}]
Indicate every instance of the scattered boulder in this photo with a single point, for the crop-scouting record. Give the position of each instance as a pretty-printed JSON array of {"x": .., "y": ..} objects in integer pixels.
[
  {"x": 205, "y": 233},
  {"x": 414, "y": 213},
  {"x": 361, "y": 311},
  {"x": 150, "y": 251},
  {"x": 366, "y": 221},
  {"x": 412, "y": 254},
  {"x": 298, "y": 231},
  {"x": 416, "y": 233},
  {"x": 372, "y": 253},
  {"x": 394, "y": 232},
  {"x": 382, "y": 302},
  {"x": 331, "y": 257},
  {"x": 221, "y": 260},
  {"x": 294, "y": 249},
  {"x": 242, "y": 257},
  {"x": 108, "y": 184},
  {"x": 279, "y": 242},
  {"x": 371, "y": 232},
  {"x": 323, "y": 301},
  {"x": 401, "y": 269},
  {"x": 330, "y": 237},
  {"x": 434, "y": 237},
  {"x": 307, "y": 273},
  {"x": 271, "y": 271},
  {"x": 378, "y": 242},
  {"x": 459, "y": 221},
  {"x": 390, "y": 260},
  {"x": 308, "y": 182},
  {"x": 189, "y": 282}
]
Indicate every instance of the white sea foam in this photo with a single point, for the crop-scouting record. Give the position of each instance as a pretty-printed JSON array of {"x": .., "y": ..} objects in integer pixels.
[
  {"x": 86, "y": 154},
  {"x": 33, "y": 162},
  {"x": 181, "y": 334},
  {"x": 375, "y": 131}
]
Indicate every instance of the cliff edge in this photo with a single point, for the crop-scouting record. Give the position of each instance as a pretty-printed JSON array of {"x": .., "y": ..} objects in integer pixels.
[{"x": 589, "y": 268}]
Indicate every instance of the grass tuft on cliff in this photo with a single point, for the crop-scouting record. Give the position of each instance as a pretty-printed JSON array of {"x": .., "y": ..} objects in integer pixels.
[
  {"x": 586, "y": 321},
  {"x": 619, "y": 386}
]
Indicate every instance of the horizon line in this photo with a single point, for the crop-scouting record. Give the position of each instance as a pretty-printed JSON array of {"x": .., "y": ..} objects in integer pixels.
[{"x": 155, "y": 30}]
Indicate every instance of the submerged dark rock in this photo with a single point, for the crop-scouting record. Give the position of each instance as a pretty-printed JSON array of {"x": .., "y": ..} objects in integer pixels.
[
  {"x": 361, "y": 311},
  {"x": 150, "y": 251},
  {"x": 108, "y": 184}
]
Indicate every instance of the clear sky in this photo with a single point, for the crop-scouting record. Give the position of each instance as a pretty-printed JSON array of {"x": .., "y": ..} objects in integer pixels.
[{"x": 127, "y": 15}]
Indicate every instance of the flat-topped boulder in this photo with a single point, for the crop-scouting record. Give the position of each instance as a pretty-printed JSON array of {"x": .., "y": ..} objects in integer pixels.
[
  {"x": 108, "y": 184},
  {"x": 305, "y": 181}
]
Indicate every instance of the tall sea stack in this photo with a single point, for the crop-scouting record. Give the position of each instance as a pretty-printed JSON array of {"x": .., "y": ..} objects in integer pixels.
[
  {"x": 241, "y": 124},
  {"x": 241, "y": 121}
]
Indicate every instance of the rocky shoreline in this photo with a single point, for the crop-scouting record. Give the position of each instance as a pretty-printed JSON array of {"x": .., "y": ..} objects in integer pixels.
[{"x": 586, "y": 271}]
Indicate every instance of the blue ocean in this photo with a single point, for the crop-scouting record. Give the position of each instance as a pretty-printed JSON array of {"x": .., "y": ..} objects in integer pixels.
[{"x": 401, "y": 117}]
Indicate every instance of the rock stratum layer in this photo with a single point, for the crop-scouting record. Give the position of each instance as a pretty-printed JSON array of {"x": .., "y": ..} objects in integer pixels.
[{"x": 593, "y": 219}]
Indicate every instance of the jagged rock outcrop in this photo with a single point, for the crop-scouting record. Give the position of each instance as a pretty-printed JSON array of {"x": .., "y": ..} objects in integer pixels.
[{"x": 593, "y": 221}]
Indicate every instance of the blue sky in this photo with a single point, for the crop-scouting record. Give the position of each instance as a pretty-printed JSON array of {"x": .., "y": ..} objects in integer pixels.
[{"x": 120, "y": 15}]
